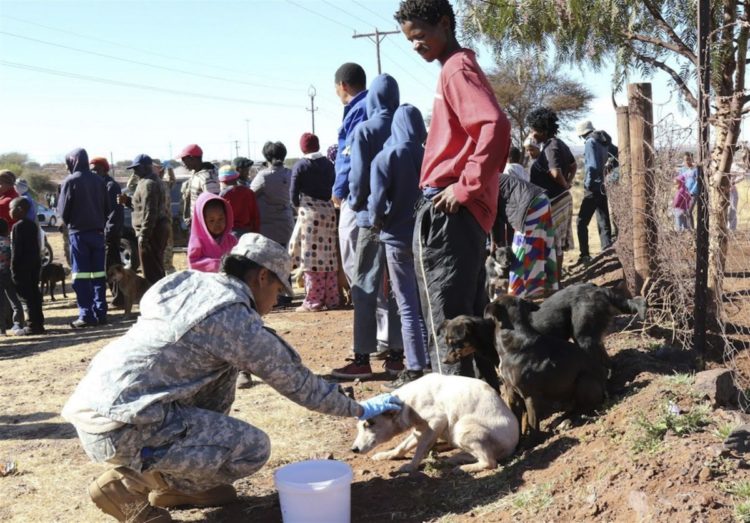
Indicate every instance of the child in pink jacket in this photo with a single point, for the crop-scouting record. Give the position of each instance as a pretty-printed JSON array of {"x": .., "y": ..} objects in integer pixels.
[{"x": 210, "y": 233}]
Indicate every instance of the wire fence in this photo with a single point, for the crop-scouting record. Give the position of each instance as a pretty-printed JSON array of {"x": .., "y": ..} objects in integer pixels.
[{"x": 671, "y": 288}]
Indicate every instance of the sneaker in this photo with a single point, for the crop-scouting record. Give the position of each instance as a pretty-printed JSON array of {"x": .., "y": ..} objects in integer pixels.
[
  {"x": 394, "y": 364},
  {"x": 584, "y": 260},
  {"x": 214, "y": 497},
  {"x": 358, "y": 368},
  {"x": 28, "y": 331},
  {"x": 17, "y": 331},
  {"x": 81, "y": 324},
  {"x": 244, "y": 380},
  {"x": 404, "y": 377},
  {"x": 125, "y": 503},
  {"x": 307, "y": 308}
]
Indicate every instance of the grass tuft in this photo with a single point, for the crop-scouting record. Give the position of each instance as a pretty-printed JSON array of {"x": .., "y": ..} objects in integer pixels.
[
  {"x": 681, "y": 424},
  {"x": 740, "y": 491}
]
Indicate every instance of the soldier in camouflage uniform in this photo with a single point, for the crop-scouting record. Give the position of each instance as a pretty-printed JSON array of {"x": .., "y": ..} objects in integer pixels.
[{"x": 155, "y": 402}]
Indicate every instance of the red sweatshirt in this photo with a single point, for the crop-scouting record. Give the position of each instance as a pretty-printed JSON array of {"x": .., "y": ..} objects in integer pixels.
[
  {"x": 5, "y": 200},
  {"x": 469, "y": 138}
]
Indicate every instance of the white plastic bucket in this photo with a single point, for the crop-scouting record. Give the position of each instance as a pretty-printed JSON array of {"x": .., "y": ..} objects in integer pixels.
[{"x": 315, "y": 491}]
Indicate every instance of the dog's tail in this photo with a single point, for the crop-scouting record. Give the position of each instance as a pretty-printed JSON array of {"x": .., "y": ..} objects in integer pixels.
[{"x": 636, "y": 305}]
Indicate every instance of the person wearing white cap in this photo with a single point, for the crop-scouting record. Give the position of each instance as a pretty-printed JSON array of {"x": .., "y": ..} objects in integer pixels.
[
  {"x": 595, "y": 154},
  {"x": 154, "y": 402}
]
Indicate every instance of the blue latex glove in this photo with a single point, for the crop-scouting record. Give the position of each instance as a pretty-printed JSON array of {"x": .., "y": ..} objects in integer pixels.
[{"x": 378, "y": 405}]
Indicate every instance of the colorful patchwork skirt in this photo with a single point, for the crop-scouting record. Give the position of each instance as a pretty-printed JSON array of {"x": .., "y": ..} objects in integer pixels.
[
  {"x": 534, "y": 267},
  {"x": 314, "y": 239}
]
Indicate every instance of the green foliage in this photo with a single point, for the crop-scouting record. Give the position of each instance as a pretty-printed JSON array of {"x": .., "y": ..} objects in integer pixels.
[
  {"x": 643, "y": 36},
  {"x": 680, "y": 424},
  {"x": 679, "y": 380},
  {"x": 40, "y": 184},
  {"x": 740, "y": 491},
  {"x": 531, "y": 501},
  {"x": 724, "y": 430},
  {"x": 528, "y": 83}
]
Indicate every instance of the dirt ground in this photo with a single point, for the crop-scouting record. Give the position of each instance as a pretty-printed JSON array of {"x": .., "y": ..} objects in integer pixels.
[{"x": 607, "y": 468}]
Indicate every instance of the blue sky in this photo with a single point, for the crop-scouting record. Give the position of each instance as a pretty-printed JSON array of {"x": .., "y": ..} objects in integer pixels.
[{"x": 253, "y": 60}]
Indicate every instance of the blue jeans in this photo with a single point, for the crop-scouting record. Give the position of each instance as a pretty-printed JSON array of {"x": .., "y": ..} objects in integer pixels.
[
  {"x": 404, "y": 284},
  {"x": 87, "y": 260},
  {"x": 367, "y": 287}
]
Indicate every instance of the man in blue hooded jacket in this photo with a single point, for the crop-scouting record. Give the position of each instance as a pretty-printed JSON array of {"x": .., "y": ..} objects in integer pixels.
[
  {"x": 84, "y": 206},
  {"x": 394, "y": 192},
  {"x": 368, "y": 140}
]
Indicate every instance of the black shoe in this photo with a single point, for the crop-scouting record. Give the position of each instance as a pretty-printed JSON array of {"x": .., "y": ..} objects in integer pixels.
[
  {"x": 103, "y": 321},
  {"x": 81, "y": 324},
  {"x": 404, "y": 377},
  {"x": 584, "y": 260}
]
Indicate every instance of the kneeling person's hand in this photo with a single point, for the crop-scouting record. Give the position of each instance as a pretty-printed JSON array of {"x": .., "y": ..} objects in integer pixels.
[{"x": 378, "y": 405}]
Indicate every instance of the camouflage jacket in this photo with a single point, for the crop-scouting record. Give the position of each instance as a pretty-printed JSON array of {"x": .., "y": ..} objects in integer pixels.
[
  {"x": 205, "y": 180},
  {"x": 195, "y": 329}
]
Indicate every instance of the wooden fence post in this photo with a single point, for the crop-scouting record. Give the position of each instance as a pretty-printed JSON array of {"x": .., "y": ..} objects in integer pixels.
[{"x": 641, "y": 126}]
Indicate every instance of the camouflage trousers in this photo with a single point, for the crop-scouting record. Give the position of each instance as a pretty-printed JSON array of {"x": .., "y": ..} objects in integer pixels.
[{"x": 194, "y": 447}]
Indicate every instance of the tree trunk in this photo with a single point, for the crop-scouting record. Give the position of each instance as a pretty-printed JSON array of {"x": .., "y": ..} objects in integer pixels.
[{"x": 642, "y": 176}]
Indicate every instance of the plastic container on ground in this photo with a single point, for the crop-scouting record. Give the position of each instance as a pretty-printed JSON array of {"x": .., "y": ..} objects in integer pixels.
[{"x": 315, "y": 491}]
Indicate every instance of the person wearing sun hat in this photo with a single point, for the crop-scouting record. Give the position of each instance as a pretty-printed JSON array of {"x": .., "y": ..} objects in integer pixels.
[
  {"x": 241, "y": 199},
  {"x": 154, "y": 402}
]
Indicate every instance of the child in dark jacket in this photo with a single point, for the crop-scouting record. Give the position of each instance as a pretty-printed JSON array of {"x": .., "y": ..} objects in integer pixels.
[
  {"x": 394, "y": 191},
  {"x": 25, "y": 264}
]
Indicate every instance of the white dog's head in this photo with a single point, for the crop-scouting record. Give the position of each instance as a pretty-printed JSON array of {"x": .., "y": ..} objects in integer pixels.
[{"x": 377, "y": 430}]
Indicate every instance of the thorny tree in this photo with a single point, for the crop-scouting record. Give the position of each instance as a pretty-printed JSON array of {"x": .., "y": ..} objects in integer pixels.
[
  {"x": 521, "y": 85},
  {"x": 646, "y": 36}
]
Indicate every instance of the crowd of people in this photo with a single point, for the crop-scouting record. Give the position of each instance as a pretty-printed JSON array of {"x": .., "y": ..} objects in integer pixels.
[{"x": 408, "y": 216}]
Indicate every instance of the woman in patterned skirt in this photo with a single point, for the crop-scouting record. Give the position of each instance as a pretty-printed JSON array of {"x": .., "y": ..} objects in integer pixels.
[
  {"x": 533, "y": 271},
  {"x": 313, "y": 243}
]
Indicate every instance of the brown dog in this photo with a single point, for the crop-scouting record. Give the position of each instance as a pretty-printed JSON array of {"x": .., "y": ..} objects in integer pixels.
[
  {"x": 50, "y": 275},
  {"x": 132, "y": 286}
]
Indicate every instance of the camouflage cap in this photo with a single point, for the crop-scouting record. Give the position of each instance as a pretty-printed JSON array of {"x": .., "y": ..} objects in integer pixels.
[{"x": 268, "y": 253}]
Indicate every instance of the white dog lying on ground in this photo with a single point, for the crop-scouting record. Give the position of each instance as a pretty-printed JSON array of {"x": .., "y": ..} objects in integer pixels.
[{"x": 465, "y": 412}]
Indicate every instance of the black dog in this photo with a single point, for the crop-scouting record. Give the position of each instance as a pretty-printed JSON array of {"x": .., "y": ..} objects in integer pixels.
[
  {"x": 497, "y": 267},
  {"x": 583, "y": 312},
  {"x": 50, "y": 275},
  {"x": 542, "y": 374}
]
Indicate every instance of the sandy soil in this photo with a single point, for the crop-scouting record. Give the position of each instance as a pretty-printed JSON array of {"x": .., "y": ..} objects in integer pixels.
[{"x": 602, "y": 469}]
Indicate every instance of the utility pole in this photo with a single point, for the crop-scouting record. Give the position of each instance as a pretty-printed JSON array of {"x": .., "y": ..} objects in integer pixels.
[
  {"x": 112, "y": 164},
  {"x": 701, "y": 229},
  {"x": 311, "y": 92},
  {"x": 236, "y": 148},
  {"x": 247, "y": 128},
  {"x": 378, "y": 37}
]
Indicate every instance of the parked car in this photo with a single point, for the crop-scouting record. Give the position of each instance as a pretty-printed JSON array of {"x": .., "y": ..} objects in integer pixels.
[
  {"x": 180, "y": 233},
  {"x": 46, "y": 217}
]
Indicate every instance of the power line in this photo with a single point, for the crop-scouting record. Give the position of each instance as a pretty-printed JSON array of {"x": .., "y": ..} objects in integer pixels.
[
  {"x": 118, "y": 83},
  {"x": 146, "y": 64},
  {"x": 409, "y": 73},
  {"x": 316, "y": 13},
  {"x": 338, "y": 8},
  {"x": 379, "y": 37},
  {"x": 363, "y": 6},
  {"x": 132, "y": 48}
]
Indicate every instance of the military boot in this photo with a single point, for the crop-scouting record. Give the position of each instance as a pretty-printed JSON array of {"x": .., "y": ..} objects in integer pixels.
[
  {"x": 213, "y": 497},
  {"x": 123, "y": 494}
]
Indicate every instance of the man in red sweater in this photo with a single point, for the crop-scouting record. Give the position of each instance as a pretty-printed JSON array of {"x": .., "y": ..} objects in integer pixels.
[{"x": 467, "y": 147}]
